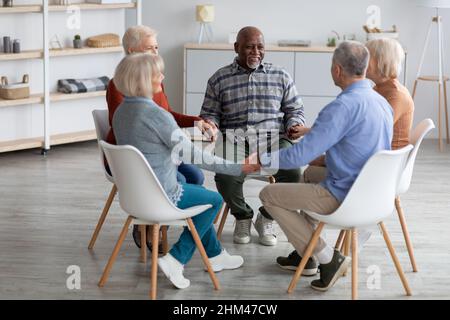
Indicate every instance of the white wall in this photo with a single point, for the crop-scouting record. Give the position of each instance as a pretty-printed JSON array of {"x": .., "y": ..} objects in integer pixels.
[{"x": 294, "y": 19}]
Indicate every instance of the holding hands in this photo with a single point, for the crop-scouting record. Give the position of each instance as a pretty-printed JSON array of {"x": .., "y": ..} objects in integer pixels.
[
  {"x": 208, "y": 128},
  {"x": 251, "y": 164},
  {"x": 297, "y": 131}
]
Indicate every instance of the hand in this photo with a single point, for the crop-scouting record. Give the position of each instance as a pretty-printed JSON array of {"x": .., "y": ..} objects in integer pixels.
[
  {"x": 297, "y": 131},
  {"x": 208, "y": 128},
  {"x": 251, "y": 164}
]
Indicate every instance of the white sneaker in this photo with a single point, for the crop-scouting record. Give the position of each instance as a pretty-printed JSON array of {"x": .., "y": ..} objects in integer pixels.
[
  {"x": 173, "y": 270},
  {"x": 224, "y": 261},
  {"x": 264, "y": 227},
  {"x": 242, "y": 231}
]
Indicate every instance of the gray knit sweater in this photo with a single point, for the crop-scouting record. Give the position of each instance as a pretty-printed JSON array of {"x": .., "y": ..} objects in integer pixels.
[{"x": 141, "y": 123}]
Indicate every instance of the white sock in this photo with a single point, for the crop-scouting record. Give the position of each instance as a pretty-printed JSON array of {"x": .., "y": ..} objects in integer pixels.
[{"x": 326, "y": 255}]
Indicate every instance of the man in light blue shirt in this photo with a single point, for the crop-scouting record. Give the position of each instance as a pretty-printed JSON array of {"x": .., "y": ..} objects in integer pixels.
[{"x": 349, "y": 130}]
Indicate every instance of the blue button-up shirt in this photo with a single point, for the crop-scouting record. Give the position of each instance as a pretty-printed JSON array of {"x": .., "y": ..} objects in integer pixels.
[{"x": 350, "y": 130}]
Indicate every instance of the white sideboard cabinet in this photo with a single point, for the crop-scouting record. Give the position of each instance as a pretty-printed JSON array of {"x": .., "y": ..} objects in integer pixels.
[{"x": 309, "y": 67}]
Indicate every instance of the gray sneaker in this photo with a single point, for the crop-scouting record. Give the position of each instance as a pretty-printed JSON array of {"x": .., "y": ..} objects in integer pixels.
[
  {"x": 330, "y": 272},
  {"x": 241, "y": 233},
  {"x": 264, "y": 227}
]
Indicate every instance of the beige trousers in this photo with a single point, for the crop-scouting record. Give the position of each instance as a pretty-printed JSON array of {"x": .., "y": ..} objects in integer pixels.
[{"x": 285, "y": 202}]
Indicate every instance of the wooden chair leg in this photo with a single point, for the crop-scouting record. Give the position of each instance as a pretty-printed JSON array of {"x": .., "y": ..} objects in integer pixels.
[
  {"x": 272, "y": 179},
  {"x": 344, "y": 241},
  {"x": 395, "y": 259},
  {"x": 354, "y": 264},
  {"x": 339, "y": 240},
  {"x": 143, "y": 231},
  {"x": 102, "y": 218},
  {"x": 441, "y": 145},
  {"x": 218, "y": 213},
  {"x": 154, "y": 272},
  {"x": 347, "y": 244},
  {"x": 222, "y": 222},
  {"x": 414, "y": 89},
  {"x": 205, "y": 259},
  {"x": 446, "y": 111},
  {"x": 165, "y": 244},
  {"x": 306, "y": 255},
  {"x": 409, "y": 246},
  {"x": 115, "y": 252}
]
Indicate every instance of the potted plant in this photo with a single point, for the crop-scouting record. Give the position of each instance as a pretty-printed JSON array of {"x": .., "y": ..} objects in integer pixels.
[{"x": 77, "y": 43}]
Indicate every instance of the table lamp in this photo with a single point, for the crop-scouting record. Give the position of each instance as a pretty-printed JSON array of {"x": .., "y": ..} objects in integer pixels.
[
  {"x": 440, "y": 78},
  {"x": 205, "y": 15}
]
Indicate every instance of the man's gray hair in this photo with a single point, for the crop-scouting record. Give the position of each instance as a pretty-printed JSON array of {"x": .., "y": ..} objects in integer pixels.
[{"x": 353, "y": 57}]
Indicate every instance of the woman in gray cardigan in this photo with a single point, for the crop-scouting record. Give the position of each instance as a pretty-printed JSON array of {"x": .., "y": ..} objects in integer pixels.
[{"x": 139, "y": 122}]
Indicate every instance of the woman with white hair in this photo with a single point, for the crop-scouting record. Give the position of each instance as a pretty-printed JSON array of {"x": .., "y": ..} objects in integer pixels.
[
  {"x": 139, "y": 122},
  {"x": 386, "y": 56},
  {"x": 144, "y": 39}
]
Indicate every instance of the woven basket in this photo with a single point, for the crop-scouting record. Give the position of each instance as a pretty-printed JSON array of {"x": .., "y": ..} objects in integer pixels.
[
  {"x": 13, "y": 91},
  {"x": 104, "y": 40}
]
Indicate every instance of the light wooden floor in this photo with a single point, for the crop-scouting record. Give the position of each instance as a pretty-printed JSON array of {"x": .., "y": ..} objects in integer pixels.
[{"x": 50, "y": 205}]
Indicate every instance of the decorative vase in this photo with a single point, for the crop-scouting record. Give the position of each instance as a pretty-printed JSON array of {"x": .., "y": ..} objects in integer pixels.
[{"x": 77, "y": 43}]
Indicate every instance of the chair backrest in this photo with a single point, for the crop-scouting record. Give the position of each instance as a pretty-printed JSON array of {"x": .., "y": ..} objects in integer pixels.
[
  {"x": 371, "y": 198},
  {"x": 140, "y": 193},
  {"x": 102, "y": 127},
  {"x": 416, "y": 138}
]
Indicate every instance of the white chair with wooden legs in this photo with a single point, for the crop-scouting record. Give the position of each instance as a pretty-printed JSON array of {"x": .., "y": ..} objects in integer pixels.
[
  {"x": 102, "y": 127},
  {"x": 416, "y": 138},
  {"x": 369, "y": 202},
  {"x": 142, "y": 197},
  {"x": 226, "y": 209}
]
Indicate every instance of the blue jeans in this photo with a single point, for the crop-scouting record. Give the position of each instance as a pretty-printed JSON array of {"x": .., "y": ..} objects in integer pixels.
[
  {"x": 190, "y": 173},
  {"x": 194, "y": 195}
]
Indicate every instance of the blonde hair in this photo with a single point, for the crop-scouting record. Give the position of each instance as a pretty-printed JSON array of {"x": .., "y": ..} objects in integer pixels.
[
  {"x": 388, "y": 55},
  {"x": 157, "y": 63},
  {"x": 133, "y": 75},
  {"x": 134, "y": 35}
]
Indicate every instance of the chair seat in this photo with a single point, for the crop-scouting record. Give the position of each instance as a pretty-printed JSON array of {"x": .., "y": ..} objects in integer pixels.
[
  {"x": 333, "y": 221},
  {"x": 181, "y": 223}
]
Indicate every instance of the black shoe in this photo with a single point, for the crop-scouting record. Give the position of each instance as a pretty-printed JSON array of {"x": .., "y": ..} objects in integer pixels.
[
  {"x": 137, "y": 235},
  {"x": 292, "y": 261},
  {"x": 137, "y": 239},
  {"x": 330, "y": 272}
]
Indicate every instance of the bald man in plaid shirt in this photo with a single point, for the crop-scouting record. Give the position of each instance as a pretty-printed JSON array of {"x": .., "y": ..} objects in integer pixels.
[{"x": 251, "y": 96}]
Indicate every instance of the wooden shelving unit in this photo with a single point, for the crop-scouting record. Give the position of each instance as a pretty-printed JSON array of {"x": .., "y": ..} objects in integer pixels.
[
  {"x": 24, "y": 55},
  {"x": 44, "y": 9},
  {"x": 58, "y": 96},
  {"x": 22, "y": 9},
  {"x": 83, "y": 51},
  {"x": 57, "y": 139},
  {"x": 93, "y": 6},
  {"x": 33, "y": 99}
]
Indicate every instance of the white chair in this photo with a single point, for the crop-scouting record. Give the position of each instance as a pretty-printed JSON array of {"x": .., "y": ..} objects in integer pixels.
[
  {"x": 144, "y": 200},
  {"x": 416, "y": 137},
  {"x": 226, "y": 209},
  {"x": 369, "y": 201},
  {"x": 102, "y": 127}
]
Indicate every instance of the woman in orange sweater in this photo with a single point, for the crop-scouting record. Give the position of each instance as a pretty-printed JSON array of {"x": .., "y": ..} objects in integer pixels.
[{"x": 386, "y": 56}]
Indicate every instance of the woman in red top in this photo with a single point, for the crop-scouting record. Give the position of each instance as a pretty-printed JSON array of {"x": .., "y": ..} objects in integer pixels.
[{"x": 143, "y": 39}]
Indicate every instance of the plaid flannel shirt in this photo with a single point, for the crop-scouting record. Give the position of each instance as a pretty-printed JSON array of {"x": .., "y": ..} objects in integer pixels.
[{"x": 264, "y": 99}]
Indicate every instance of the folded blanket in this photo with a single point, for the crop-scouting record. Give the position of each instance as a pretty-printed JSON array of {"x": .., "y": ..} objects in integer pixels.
[{"x": 82, "y": 85}]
